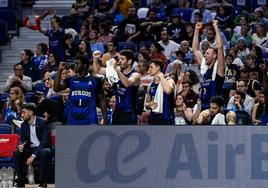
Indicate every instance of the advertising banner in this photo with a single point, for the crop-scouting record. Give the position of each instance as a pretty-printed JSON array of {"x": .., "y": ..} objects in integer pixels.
[{"x": 162, "y": 157}]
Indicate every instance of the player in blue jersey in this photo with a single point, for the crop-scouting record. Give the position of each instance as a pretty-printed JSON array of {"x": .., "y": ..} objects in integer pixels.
[
  {"x": 160, "y": 96},
  {"x": 212, "y": 65},
  {"x": 125, "y": 89},
  {"x": 85, "y": 95}
]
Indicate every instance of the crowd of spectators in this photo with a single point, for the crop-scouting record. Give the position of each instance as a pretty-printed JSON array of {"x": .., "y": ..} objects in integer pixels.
[{"x": 179, "y": 64}]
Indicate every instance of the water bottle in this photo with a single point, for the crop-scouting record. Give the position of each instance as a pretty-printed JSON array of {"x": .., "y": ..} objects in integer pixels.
[{"x": 30, "y": 174}]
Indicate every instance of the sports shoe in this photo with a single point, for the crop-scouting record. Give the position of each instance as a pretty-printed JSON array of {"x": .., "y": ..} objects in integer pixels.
[
  {"x": 17, "y": 122},
  {"x": 42, "y": 185},
  {"x": 18, "y": 185}
]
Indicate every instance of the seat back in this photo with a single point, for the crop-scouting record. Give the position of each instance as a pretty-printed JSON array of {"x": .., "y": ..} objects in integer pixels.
[{"x": 8, "y": 144}]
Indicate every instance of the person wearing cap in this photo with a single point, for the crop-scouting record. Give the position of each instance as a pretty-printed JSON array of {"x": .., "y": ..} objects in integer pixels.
[
  {"x": 34, "y": 144},
  {"x": 259, "y": 15},
  {"x": 242, "y": 49}
]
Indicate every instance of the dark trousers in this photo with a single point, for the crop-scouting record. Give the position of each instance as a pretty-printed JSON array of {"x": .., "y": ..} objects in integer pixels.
[
  {"x": 124, "y": 118},
  {"x": 43, "y": 156}
]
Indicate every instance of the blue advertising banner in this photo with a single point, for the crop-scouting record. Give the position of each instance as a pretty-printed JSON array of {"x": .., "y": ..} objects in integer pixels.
[{"x": 162, "y": 157}]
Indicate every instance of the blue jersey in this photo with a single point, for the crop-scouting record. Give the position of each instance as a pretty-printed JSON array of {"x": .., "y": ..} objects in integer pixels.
[
  {"x": 210, "y": 87},
  {"x": 56, "y": 42},
  {"x": 83, "y": 100},
  {"x": 126, "y": 97},
  {"x": 168, "y": 105}
]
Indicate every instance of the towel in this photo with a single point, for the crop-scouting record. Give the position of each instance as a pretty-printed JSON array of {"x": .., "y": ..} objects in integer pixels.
[
  {"x": 111, "y": 73},
  {"x": 204, "y": 68},
  {"x": 158, "y": 99}
]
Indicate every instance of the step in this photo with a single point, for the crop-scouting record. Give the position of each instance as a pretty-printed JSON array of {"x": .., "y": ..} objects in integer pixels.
[
  {"x": 54, "y": 2},
  {"x": 62, "y": 6}
]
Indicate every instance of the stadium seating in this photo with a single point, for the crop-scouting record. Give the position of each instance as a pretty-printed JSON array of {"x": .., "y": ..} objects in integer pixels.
[
  {"x": 9, "y": 16},
  {"x": 127, "y": 45},
  {"x": 3, "y": 32},
  {"x": 5, "y": 129}
]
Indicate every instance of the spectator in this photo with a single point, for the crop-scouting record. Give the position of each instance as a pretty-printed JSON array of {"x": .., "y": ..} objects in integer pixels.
[
  {"x": 201, "y": 7},
  {"x": 40, "y": 57},
  {"x": 156, "y": 53},
  {"x": 212, "y": 65},
  {"x": 255, "y": 71},
  {"x": 34, "y": 143},
  {"x": 225, "y": 19},
  {"x": 170, "y": 47},
  {"x": 248, "y": 101},
  {"x": 84, "y": 31},
  {"x": 232, "y": 70},
  {"x": 129, "y": 29},
  {"x": 183, "y": 10},
  {"x": 259, "y": 110},
  {"x": 213, "y": 116},
  {"x": 242, "y": 49},
  {"x": 259, "y": 15},
  {"x": 176, "y": 29},
  {"x": 71, "y": 47},
  {"x": 190, "y": 32},
  {"x": 94, "y": 44},
  {"x": 193, "y": 77},
  {"x": 160, "y": 7},
  {"x": 160, "y": 96},
  {"x": 260, "y": 38},
  {"x": 56, "y": 37},
  {"x": 52, "y": 112},
  {"x": 189, "y": 96},
  {"x": 18, "y": 80},
  {"x": 11, "y": 109},
  {"x": 242, "y": 116},
  {"x": 243, "y": 21},
  {"x": 78, "y": 13},
  {"x": 29, "y": 68},
  {"x": 122, "y": 6},
  {"x": 183, "y": 115},
  {"x": 150, "y": 27},
  {"x": 105, "y": 35},
  {"x": 244, "y": 34},
  {"x": 237, "y": 61},
  {"x": 52, "y": 64},
  {"x": 111, "y": 52},
  {"x": 85, "y": 49}
]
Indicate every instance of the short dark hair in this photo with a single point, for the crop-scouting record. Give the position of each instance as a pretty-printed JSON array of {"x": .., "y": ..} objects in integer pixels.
[
  {"x": 242, "y": 94},
  {"x": 128, "y": 54},
  {"x": 29, "y": 106},
  {"x": 159, "y": 63},
  {"x": 217, "y": 100},
  {"x": 17, "y": 64}
]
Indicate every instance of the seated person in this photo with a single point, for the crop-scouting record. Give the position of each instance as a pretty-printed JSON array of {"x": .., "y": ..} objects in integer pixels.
[
  {"x": 34, "y": 143},
  {"x": 18, "y": 80}
]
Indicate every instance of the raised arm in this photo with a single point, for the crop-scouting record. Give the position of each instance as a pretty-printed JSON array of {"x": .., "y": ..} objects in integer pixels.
[
  {"x": 133, "y": 80},
  {"x": 221, "y": 62},
  {"x": 195, "y": 46}
]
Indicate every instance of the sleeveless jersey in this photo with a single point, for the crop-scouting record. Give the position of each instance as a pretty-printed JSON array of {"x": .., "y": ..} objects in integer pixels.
[
  {"x": 210, "y": 87},
  {"x": 126, "y": 97},
  {"x": 82, "y": 100},
  {"x": 168, "y": 105}
]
